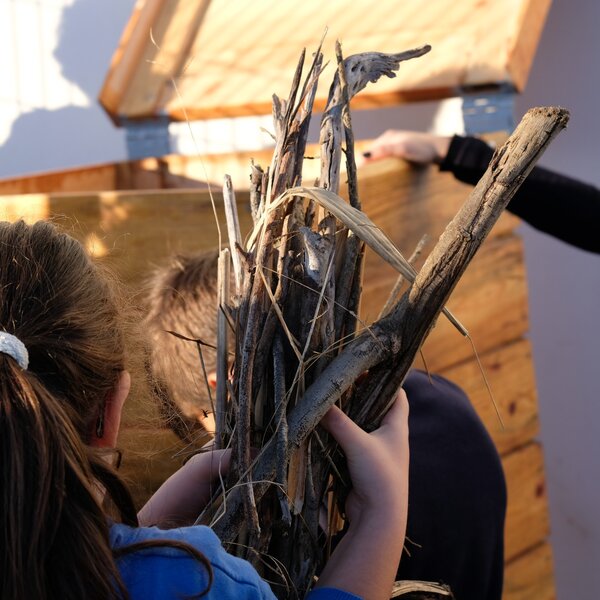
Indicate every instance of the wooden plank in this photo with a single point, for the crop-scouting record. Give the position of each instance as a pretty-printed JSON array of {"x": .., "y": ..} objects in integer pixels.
[
  {"x": 509, "y": 370},
  {"x": 166, "y": 172},
  {"x": 146, "y": 174},
  {"x": 527, "y": 520},
  {"x": 165, "y": 50},
  {"x": 243, "y": 53},
  {"x": 130, "y": 230},
  {"x": 127, "y": 59},
  {"x": 407, "y": 202},
  {"x": 116, "y": 223},
  {"x": 98, "y": 177},
  {"x": 530, "y": 576}
]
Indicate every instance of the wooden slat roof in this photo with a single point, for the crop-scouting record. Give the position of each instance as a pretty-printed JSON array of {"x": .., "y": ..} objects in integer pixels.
[{"x": 228, "y": 57}]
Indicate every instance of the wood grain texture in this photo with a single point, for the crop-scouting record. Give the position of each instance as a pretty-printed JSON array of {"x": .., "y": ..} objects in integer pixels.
[
  {"x": 243, "y": 53},
  {"x": 130, "y": 230},
  {"x": 166, "y": 172},
  {"x": 509, "y": 370},
  {"x": 529, "y": 30},
  {"x": 527, "y": 520},
  {"x": 530, "y": 576}
]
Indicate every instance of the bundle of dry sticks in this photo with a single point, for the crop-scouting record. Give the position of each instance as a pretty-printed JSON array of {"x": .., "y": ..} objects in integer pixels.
[{"x": 289, "y": 318}]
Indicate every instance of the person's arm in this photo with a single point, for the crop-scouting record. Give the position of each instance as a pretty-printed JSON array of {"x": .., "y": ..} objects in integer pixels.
[
  {"x": 181, "y": 498},
  {"x": 366, "y": 560},
  {"x": 555, "y": 204}
]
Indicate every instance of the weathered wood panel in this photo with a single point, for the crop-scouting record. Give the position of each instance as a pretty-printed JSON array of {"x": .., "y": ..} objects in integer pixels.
[
  {"x": 132, "y": 230},
  {"x": 509, "y": 370},
  {"x": 165, "y": 172},
  {"x": 531, "y": 576},
  {"x": 527, "y": 522},
  {"x": 243, "y": 53}
]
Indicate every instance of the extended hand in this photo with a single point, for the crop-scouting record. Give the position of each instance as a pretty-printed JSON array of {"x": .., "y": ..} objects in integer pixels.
[{"x": 417, "y": 147}]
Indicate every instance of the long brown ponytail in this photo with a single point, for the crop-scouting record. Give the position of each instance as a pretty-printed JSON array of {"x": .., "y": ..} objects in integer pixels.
[{"x": 54, "y": 534}]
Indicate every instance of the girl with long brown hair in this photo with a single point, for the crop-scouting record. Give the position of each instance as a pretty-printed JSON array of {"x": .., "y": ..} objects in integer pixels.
[{"x": 62, "y": 387}]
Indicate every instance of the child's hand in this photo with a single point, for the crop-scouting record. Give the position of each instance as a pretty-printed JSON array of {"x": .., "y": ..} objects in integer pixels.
[
  {"x": 366, "y": 560},
  {"x": 181, "y": 498},
  {"x": 377, "y": 461}
]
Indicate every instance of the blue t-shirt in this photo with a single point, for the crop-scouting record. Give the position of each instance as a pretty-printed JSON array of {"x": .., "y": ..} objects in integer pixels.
[{"x": 166, "y": 573}]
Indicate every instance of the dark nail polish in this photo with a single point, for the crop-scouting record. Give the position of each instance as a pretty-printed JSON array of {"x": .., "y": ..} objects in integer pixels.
[{"x": 367, "y": 154}]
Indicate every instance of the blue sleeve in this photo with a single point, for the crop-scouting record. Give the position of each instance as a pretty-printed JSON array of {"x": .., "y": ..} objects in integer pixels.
[{"x": 164, "y": 572}]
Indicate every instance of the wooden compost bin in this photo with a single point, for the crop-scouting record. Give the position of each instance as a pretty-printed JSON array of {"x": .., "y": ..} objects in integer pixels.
[{"x": 135, "y": 229}]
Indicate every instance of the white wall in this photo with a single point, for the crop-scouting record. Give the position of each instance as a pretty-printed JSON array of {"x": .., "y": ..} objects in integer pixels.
[
  {"x": 53, "y": 58},
  {"x": 49, "y": 119},
  {"x": 564, "y": 300}
]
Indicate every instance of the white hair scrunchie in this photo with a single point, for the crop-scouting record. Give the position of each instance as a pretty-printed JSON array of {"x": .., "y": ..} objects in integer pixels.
[{"x": 13, "y": 346}]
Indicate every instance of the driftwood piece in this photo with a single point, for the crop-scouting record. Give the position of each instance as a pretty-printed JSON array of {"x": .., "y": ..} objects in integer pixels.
[
  {"x": 349, "y": 277},
  {"x": 421, "y": 590},
  {"x": 233, "y": 231},
  {"x": 222, "y": 349},
  {"x": 392, "y": 342},
  {"x": 457, "y": 245},
  {"x": 360, "y": 69}
]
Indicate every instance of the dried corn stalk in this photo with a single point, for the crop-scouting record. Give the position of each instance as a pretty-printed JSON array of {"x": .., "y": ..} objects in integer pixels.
[{"x": 297, "y": 348}]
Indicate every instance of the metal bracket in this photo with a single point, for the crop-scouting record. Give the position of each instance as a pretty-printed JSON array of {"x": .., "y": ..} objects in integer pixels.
[
  {"x": 488, "y": 110},
  {"x": 147, "y": 138}
]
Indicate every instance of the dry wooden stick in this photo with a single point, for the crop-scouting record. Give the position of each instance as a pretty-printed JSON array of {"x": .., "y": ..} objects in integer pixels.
[
  {"x": 283, "y": 172},
  {"x": 256, "y": 178},
  {"x": 222, "y": 348},
  {"x": 395, "y": 293},
  {"x": 360, "y": 69},
  {"x": 422, "y": 590},
  {"x": 443, "y": 268},
  {"x": 348, "y": 133},
  {"x": 349, "y": 277},
  {"x": 233, "y": 231}
]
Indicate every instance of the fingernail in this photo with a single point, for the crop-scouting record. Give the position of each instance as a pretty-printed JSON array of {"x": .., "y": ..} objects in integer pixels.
[{"x": 367, "y": 154}]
